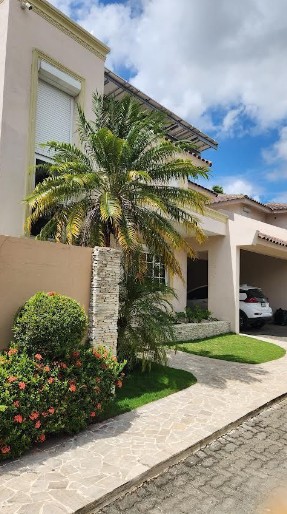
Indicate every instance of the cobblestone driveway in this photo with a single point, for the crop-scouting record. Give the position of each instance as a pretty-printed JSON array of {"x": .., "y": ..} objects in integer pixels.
[{"x": 232, "y": 475}]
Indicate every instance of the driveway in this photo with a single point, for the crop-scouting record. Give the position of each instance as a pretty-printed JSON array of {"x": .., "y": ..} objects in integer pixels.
[
  {"x": 271, "y": 331},
  {"x": 234, "y": 474}
]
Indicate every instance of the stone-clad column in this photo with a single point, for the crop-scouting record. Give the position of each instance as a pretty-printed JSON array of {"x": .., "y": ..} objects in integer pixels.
[{"x": 104, "y": 306}]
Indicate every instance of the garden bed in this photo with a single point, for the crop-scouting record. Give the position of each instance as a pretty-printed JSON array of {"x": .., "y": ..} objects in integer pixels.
[{"x": 194, "y": 331}]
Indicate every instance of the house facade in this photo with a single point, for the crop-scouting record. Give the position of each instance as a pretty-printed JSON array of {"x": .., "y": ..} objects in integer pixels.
[{"x": 48, "y": 64}]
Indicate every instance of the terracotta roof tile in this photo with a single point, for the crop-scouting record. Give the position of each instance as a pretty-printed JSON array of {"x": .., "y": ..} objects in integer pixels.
[
  {"x": 272, "y": 239},
  {"x": 277, "y": 206}
]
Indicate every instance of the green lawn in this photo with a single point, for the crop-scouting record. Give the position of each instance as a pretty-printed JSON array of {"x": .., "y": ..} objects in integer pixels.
[
  {"x": 232, "y": 347},
  {"x": 141, "y": 388}
]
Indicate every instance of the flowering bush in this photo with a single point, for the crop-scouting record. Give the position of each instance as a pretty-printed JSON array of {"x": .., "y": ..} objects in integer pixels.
[
  {"x": 51, "y": 324},
  {"x": 39, "y": 397}
]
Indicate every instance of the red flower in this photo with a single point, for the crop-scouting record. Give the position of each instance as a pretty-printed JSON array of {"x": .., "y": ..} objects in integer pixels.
[
  {"x": 51, "y": 380},
  {"x": 46, "y": 368},
  {"x": 98, "y": 380},
  {"x": 34, "y": 415},
  {"x": 51, "y": 410},
  {"x": 114, "y": 358},
  {"x": 76, "y": 355},
  {"x": 5, "y": 449},
  {"x": 41, "y": 438},
  {"x": 92, "y": 414},
  {"x": 21, "y": 385},
  {"x": 119, "y": 383},
  {"x": 11, "y": 379},
  {"x": 72, "y": 388},
  {"x": 63, "y": 365},
  {"x": 99, "y": 406},
  {"x": 97, "y": 354},
  {"x": 79, "y": 364},
  {"x": 38, "y": 424},
  {"x": 38, "y": 357},
  {"x": 18, "y": 418},
  {"x": 44, "y": 414},
  {"x": 12, "y": 351},
  {"x": 16, "y": 403},
  {"x": 51, "y": 293}
]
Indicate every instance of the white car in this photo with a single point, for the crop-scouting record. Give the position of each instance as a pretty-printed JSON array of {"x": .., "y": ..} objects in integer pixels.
[{"x": 254, "y": 308}]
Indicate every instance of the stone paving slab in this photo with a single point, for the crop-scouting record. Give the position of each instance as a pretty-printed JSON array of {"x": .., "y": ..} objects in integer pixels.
[
  {"x": 241, "y": 472},
  {"x": 78, "y": 471}
]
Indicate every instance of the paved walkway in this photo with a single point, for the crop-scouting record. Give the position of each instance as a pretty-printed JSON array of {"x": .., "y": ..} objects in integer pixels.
[
  {"x": 77, "y": 471},
  {"x": 242, "y": 472}
]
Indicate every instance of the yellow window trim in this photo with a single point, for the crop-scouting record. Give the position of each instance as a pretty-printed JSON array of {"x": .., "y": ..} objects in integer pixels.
[{"x": 37, "y": 55}]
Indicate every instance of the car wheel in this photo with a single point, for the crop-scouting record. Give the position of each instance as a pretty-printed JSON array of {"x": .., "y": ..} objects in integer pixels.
[{"x": 243, "y": 320}]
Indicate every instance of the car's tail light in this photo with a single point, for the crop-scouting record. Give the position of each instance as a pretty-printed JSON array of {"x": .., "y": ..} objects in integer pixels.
[{"x": 251, "y": 300}]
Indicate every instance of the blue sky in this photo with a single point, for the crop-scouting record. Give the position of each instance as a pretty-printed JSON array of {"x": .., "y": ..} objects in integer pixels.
[{"x": 219, "y": 65}]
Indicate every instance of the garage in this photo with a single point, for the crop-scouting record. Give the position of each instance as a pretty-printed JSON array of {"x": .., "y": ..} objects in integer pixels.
[{"x": 268, "y": 273}]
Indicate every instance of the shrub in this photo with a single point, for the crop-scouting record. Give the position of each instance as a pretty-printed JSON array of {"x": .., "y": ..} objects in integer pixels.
[
  {"x": 50, "y": 324},
  {"x": 40, "y": 397},
  {"x": 196, "y": 314}
]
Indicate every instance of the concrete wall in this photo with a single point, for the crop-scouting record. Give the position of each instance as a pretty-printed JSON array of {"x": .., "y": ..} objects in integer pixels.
[
  {"x": 27, "y": 31},
  {"x": 28, "y": 266},
  {"x": 269, "y": 273},
  {"x": 3, "y": 43}
]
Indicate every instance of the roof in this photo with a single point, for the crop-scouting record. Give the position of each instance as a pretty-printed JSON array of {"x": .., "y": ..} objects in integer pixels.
[
  {"x": 277, "y": 206},
  {"x": 270, "y": 207},
  {"x": 204, "y": 188},
  {"x": 272, "y": 239},
  {"x": 177, "y": 128}
]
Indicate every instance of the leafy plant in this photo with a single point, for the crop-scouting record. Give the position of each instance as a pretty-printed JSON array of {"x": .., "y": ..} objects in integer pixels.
[
  {"x": 119, "y": 184},
  {"x": 145, "y": 320},
  {"x": 40, "y": 397},
  {"x": 196, "y": 314},
  {"x": 50, "y": 324}
]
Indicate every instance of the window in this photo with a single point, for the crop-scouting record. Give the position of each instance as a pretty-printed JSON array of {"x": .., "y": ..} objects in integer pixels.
[
  {"x": 54, "y": 118},
  {"x": 155, "y": 268}
]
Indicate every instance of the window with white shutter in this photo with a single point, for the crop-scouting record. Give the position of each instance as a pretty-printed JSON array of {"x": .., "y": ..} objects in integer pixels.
[{"x": 54, "y": 117}]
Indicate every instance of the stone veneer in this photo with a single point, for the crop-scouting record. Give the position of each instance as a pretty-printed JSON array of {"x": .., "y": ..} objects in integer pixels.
[
  {"x": 192, "y": 331},
  {"x": 104, "y": 306}
]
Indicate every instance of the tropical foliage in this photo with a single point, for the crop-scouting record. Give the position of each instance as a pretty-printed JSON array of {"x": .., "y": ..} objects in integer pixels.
[
  {"x": 145, "y": 320},
  {"x": 122, "y": 184}
]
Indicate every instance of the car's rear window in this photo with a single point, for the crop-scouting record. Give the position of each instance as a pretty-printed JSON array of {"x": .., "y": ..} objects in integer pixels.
[{"x": 255, "y": 293}]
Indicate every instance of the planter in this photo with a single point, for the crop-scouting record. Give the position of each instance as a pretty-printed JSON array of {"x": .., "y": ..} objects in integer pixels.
[{"x": 193, "y": 331}]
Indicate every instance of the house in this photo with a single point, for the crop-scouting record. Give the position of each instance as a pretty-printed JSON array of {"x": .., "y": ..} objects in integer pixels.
[{"x": 48, "y": 64}]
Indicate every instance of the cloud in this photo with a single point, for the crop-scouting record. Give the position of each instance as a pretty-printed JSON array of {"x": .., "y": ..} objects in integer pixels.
[
  {"x": 233, "y": 185},
  {"x": 198, "y": 56}
]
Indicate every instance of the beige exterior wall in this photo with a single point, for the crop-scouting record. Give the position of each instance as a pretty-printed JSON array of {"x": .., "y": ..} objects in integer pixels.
[
  {"x": 279, "y": 220},
  {"x": 28, "y": 266},
  {"x": 45, "y": 30},
  {"x": 243, "y": 210},
  {"x": 3, "y": 40}
]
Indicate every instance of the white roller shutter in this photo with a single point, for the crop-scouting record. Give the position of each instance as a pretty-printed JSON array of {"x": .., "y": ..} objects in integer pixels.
[{"x": 54, "y": 117}]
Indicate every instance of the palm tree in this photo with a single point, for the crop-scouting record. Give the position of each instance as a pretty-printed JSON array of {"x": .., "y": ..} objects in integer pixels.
[{"x": 120, "y": 184}]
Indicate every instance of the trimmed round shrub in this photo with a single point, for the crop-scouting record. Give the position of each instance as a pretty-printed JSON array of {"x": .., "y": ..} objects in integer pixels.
[
  {"x": 50, "y": 324},
  {"x": 39, "y": 397}
]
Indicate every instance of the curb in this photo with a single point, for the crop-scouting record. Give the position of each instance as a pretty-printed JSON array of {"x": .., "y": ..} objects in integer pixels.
[{"x": 129, "y": 486}]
